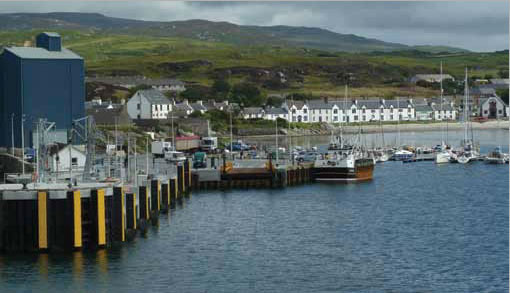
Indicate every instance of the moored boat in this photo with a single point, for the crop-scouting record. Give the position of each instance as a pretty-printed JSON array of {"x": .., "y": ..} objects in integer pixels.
[{"x": 496, "y": 157}]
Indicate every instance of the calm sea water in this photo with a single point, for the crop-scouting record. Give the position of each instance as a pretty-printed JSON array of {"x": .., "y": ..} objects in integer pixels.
[{"x": 415, "y": 228}]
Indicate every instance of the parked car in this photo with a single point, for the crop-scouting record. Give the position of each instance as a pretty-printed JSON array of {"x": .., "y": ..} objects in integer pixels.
[{"x": 306, "y": 157}]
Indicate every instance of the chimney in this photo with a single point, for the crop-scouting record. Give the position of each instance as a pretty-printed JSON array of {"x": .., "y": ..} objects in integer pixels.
[{"x": 49, "y": 41}]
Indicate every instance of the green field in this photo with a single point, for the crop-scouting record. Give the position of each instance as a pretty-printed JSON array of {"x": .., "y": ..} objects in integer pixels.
[{"x": 377, "y": 74}]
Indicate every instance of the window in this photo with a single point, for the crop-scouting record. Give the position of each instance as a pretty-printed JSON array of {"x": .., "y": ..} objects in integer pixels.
[
  {"x": 304, "y": 110},
  {"x": 400, "y": 110},
  {"x": 335, "y": 118},
  {"x": 500, "y": 111},
  {"x": 373, "y": 111},
  {"x": 138, "y": 106},
  {"x": 138, "y": 116},
  {"x": 320, "y": 118},
  {"x": 305, "y": 118},
  {"x": 74, "y": 161},
  {"x": 353, "y": 111},
  {"x": 364, "y": 118},
  {"x": 335, "y": 111},
  {"x": 485, "y": 111},
  {"x": 355, "y": 117},
  {"x": 363, "y": 111},
  {"x": 293, "y": 111}
]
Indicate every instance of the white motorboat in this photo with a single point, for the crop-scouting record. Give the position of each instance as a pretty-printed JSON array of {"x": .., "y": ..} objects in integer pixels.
[{"x": 443, "y": 157}]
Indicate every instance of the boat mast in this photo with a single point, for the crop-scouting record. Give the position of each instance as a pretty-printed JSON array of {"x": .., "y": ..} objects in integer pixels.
[
  {"x": 465, "y": 105},
  {"x": 441, "y": 96},
  {"x": 398, "y": 121}
]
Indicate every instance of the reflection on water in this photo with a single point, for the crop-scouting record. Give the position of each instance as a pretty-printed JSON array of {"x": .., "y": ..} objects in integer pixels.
[{"x": 43, "y": 264}]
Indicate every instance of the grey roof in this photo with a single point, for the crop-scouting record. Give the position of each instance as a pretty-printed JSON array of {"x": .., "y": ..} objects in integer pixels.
[
  {"x": 423, "y": 108},
  {"x": 396, "y": 103},
  {"x": 253, "y": 110},
  {"x": 481, "y": 101},
  {"x": 183, "y": 107},
  {"x": 483, "y": 91},
  {"x": 319, "y": 104},
  {"x": 370, "y": 104},
  {"x": 41, "y": 53},
  {"x": 198, "y": 107},
  {"x": 51, "y": 34},
  {"x": 276, "y": 111},
  {"x": 155, "y": 97},
  {"x": 298, "y": 104}
]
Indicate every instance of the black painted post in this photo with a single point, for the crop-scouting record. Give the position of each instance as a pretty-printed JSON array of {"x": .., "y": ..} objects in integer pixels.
[
  {"x": 165, "y": 197},
  {"x": 173, "y": 191},
  {"x": 118, "y": 220}
]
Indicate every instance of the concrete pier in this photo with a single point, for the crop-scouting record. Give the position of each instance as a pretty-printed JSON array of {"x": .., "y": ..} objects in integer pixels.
[{"x": 91, "y": 216}]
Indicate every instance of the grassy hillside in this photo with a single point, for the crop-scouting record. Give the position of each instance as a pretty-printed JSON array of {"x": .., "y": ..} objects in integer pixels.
[{"x": 306, "y": 70}]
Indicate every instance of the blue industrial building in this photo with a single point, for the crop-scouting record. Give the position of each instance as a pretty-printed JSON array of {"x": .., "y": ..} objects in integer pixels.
[{"x": 46, "y": 81}]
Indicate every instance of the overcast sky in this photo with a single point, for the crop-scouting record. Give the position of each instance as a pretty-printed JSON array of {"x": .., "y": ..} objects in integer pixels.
[{"x": 478, "y": 26}]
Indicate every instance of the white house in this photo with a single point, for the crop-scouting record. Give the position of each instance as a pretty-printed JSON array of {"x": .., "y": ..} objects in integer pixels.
[
  {"x": 492, "y": 107},
  {"x": 183, "y": 107},
  {"x": 60, "y": 158},
  {"x": 274, "y": 113},
  {"x": 298, "y": 111},
  {"x": 149, "y": 104},
  {"x": 253, "y": 112},
  {"x": 424, "y": 112}
]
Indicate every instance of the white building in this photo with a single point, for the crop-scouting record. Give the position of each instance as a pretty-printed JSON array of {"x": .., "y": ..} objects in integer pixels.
[
  {"x": 298, "y": 111},
  {"x": 149, "y": 104},
  {"x": 253, "y": 113},
  {"x": 60, "y": 158},
  {"x": 492, "y": 107},
  {"x": 274, "y": 113}
]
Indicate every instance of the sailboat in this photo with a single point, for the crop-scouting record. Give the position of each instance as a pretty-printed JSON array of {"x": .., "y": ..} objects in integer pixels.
[
  {"x": 444, "y": 155},
  {"x": 469, "y": 153}
]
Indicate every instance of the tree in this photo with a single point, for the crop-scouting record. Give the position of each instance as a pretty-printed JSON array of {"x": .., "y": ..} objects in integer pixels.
[
  {"x": 247, "y": 94},
  {"x": 503, "y": 94},
  {"x": 503, "y": 73},
  {"x": 274, "y": 101},
  {"x": 488, "y": 76},
  {"x": 221, "y": 86}
]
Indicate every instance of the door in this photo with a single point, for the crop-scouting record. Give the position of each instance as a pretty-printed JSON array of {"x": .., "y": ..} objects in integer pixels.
[{"x": 493, "y": 109}]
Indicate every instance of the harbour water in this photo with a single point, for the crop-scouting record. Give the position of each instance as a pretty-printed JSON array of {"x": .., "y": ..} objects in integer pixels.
[{"x": 415, "y": 228}]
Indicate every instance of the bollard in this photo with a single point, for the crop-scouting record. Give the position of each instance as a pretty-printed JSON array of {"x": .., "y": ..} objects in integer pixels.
[{"x": 143, "y": 207}]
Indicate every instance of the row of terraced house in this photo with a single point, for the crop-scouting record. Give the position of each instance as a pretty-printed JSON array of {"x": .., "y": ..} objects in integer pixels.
[{"x": 366, "y": 110}]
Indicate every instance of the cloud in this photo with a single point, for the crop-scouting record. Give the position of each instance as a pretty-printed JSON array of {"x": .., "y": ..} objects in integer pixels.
[{"x": 479, "y": 26}]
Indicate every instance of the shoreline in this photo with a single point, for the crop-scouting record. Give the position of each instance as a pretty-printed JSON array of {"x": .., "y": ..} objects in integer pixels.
[{"x": 388, "y": 128}]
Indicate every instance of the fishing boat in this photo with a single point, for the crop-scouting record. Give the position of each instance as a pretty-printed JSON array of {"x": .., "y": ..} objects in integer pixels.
[
  {"x": 496, "y": 157},
  {"x": 343, "y": 162}
]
